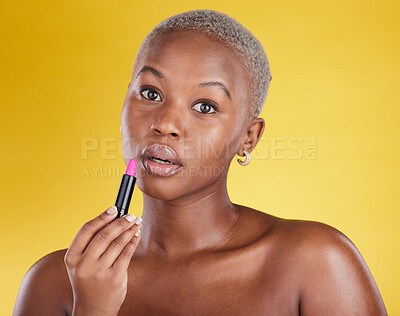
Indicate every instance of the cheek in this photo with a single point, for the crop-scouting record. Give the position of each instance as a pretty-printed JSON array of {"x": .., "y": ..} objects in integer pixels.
[
  {"x": 132, "y": 136},
  {"x": 217, "y": 146}
]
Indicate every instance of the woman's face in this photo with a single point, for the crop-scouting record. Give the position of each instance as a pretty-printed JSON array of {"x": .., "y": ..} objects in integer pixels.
[{"x": 168, "y": 103}]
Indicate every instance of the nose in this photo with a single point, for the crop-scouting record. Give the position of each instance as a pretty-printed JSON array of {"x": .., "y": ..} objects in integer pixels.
[{"x": 168, "y": 123}]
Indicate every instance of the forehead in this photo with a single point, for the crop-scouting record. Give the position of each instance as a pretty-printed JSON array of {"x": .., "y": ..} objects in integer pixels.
[{"x": 186, "y": 55}]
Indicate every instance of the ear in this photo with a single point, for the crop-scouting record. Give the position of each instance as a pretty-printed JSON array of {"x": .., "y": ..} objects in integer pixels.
[{"x": 253, "y": 134}]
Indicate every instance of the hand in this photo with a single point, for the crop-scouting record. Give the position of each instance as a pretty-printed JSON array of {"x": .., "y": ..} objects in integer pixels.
[{"x": 97, "y": 262}]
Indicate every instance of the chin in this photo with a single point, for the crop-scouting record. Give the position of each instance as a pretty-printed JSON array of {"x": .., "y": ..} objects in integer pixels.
[{"x": 161, "y": 188}]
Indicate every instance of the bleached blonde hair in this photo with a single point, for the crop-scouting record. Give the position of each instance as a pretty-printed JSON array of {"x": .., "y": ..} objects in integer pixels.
[{"x": 222, "y": 27}]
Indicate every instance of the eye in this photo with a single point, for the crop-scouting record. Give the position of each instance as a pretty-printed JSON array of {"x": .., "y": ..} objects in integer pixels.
[
  {"x": 205, "y": 107},
  {"x": 151, "y": 94}
]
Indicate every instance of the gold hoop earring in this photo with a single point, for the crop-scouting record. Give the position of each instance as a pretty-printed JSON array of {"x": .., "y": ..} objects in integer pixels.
[{"x": 247, "y": 160}]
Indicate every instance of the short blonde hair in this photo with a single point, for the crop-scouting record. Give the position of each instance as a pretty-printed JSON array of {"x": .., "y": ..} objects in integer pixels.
[{"x": 224, "y": 28}]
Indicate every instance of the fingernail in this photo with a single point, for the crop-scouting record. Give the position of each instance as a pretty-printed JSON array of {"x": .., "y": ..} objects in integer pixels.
[
  {"x": 130, "y": 217},
  {"x": 138, "y": 232},
  {"x": 138, "y": 220},
  {"x": 111, "y": 210}
]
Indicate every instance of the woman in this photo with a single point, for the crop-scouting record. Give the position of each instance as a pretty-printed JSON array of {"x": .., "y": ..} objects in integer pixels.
[{"x": 199, "y": 82}]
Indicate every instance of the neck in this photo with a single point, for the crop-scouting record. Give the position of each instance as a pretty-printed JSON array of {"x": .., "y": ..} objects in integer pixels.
[{"x": 186, "y": 225}]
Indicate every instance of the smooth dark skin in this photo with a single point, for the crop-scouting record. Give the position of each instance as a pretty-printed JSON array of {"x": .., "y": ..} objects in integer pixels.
[{"x": 200, "y": 254}]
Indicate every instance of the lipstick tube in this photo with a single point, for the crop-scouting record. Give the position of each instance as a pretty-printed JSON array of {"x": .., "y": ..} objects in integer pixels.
[{"x": 125, "y": 190}]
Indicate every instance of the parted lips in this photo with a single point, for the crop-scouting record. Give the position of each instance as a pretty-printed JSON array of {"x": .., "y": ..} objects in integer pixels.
[{"x": 162, "y": 152}]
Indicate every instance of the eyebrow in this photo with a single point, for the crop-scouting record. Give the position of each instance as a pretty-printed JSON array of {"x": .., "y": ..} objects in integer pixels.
[{"x": 203, "y": 84}]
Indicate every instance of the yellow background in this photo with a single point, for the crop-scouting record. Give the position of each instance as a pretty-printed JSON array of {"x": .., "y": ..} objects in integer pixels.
[{"x": 65, "y": 67}]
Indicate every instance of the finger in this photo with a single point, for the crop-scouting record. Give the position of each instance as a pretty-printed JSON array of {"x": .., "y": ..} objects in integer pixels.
[
  {"x": 105, "y": 236},
  {"x": 122, "y": 262},
  {"x": 89, "y": 230},
  {"x": 117, "y": 245}
]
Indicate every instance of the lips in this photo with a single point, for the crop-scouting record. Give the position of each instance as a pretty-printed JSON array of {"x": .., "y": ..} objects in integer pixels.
[
  {"x": 161, "y": 152},
  {"x": 160, "y": 160}
]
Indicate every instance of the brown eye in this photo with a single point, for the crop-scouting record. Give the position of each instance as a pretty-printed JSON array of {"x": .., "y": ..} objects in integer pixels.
[
  {"x": 204, "y": 107},
  {"x": 150, "y": 94}
]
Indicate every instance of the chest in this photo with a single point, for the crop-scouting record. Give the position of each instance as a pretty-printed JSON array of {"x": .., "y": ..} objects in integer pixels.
[{"x": 229, "y": 288}]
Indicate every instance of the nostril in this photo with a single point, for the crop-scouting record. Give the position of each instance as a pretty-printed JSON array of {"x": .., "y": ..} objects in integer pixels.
[{"x": 158, "y": 131}]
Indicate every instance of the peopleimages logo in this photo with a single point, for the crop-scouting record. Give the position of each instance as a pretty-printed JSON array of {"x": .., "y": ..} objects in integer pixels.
[{"x": 275, "y": 148}]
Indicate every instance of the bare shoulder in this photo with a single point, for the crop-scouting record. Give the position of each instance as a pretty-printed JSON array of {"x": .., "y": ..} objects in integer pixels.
[
  {"x": 333, "y": 278},
  {"x": 45, "y": 288},
  {"x": 320, "y": 264}
]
